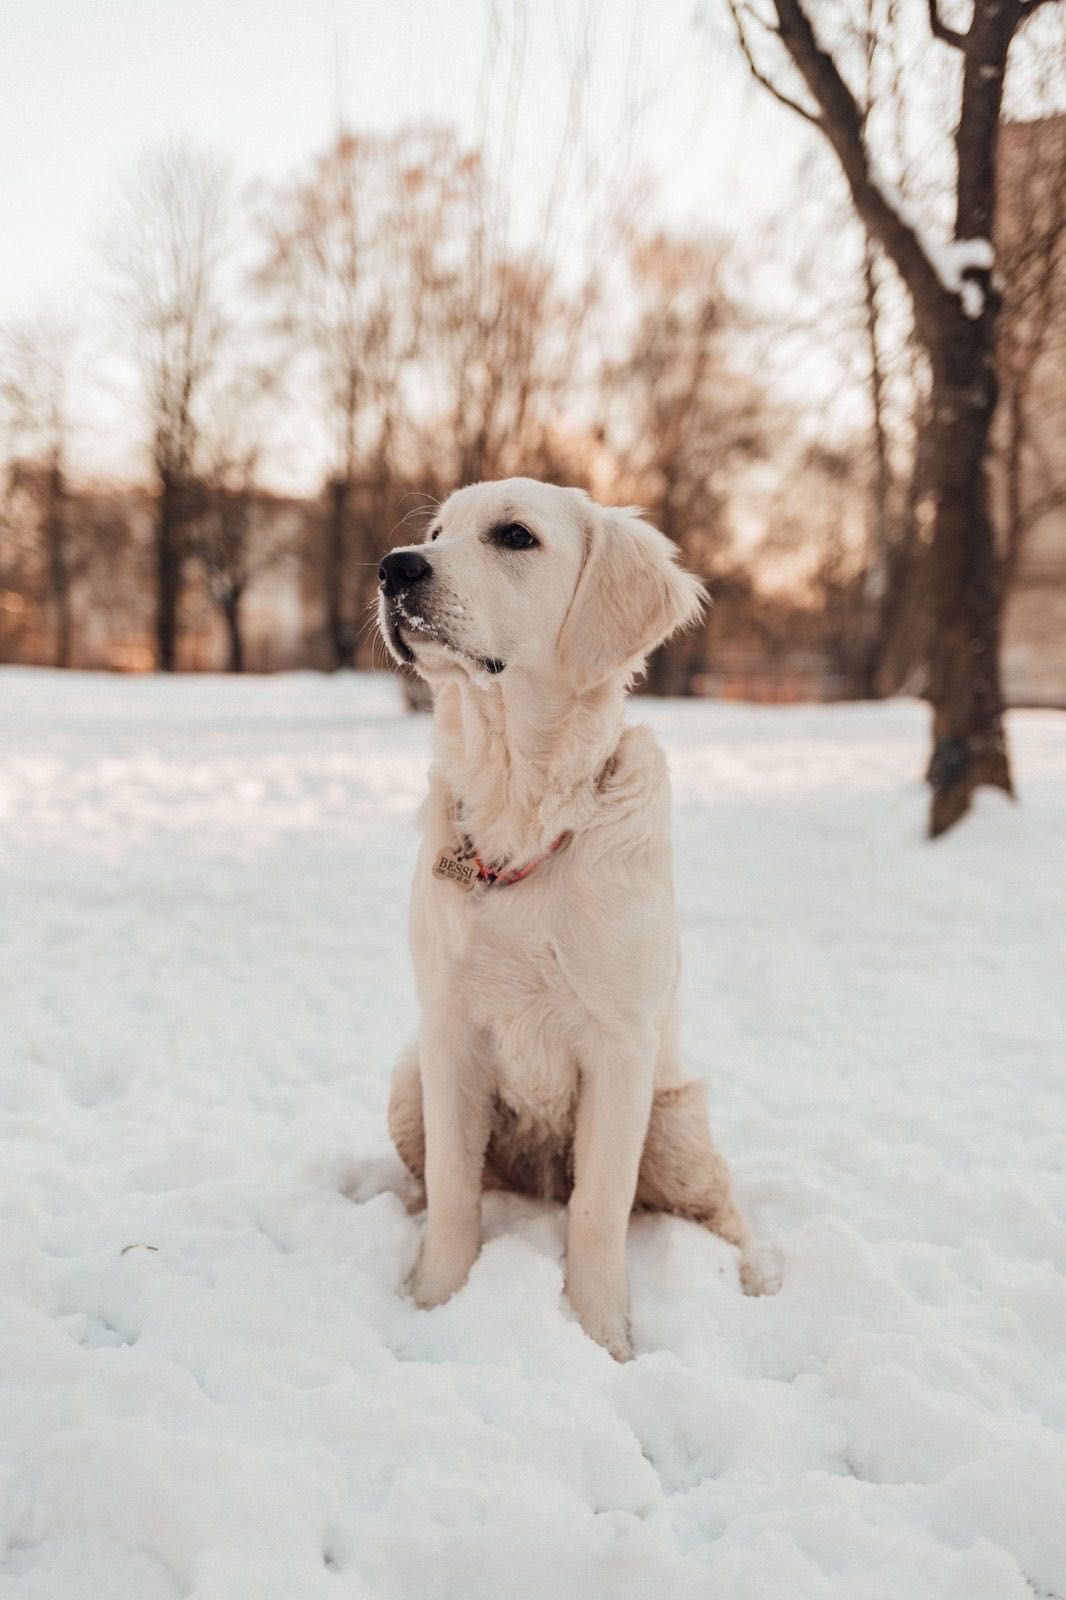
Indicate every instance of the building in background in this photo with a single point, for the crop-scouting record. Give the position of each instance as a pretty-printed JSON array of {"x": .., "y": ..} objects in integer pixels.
[{"x": 1030, "y": 473}]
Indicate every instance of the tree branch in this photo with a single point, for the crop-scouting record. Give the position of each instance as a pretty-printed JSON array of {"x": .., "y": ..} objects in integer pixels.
[
  {"x": 941, "y": 31},
  {"x": 760, "y": 77},
  {"x": 842, "y": 123}
]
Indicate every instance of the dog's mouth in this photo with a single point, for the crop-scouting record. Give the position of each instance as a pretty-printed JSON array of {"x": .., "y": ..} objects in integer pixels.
[
  {"x": 393, "y": 630},
  {"x": 400, "y": 621}
]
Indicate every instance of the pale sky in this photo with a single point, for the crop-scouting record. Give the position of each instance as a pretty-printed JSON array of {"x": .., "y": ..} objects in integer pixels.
[{"x": 86, "y": 85}]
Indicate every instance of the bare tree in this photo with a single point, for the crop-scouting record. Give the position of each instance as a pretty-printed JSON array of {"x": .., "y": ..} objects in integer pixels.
[
  {"x": 956, "y": 305},
  {"x": 236, "y": 536},
  {"x": 682, "y": 417},
  {"x": 35, "y": 359},
  {"x": 521, "y": 318},
  {"x": 19, "y": 583},
  {"x": 495, "y": 327},
  {"x": 841, "y": 331},
  {"x": 236, "y": 541},
  {"x": 895, "y": 368},
  {"x": 891, "y": 641},
  {"x": 437, "y": 350},
  {"x": 338, "y": 267},
  {"x": 167, "y": 250}
]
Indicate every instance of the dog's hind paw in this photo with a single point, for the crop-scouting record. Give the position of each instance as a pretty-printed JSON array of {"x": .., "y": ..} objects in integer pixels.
[
  {"x": 603, "y": 1314},
  {"x": 761, "y": 1269},
  {"x": 362, "y": 1180}
]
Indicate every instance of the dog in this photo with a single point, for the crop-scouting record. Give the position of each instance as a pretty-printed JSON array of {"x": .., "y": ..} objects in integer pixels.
[{"x": 543, "y": 929}]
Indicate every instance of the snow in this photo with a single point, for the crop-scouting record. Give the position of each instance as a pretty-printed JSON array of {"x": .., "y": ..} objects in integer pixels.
[
  {"x": 214, "y": 1385},
  {"x": 953, "y": 260}
]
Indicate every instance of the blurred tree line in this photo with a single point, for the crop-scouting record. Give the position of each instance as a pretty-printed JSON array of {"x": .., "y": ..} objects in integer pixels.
[{"x": 383, "y": 292}]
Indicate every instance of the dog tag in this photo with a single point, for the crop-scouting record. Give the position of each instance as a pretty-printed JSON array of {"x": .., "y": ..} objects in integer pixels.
[{"x": 449, "y": 867}]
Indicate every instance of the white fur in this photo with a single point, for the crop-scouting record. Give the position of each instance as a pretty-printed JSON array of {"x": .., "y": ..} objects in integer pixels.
[{"x": 547, "y": 1052}]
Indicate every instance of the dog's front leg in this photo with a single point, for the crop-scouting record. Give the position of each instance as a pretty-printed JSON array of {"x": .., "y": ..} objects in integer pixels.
[
  {"x": 614, "y": 1104},
  {"x": 456, "y": 1110}
]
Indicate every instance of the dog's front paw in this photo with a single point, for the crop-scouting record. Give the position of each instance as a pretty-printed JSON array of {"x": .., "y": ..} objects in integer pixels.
[
  {"x": 433, "y": 1281},
  {"x": 603, "y": 1315}
]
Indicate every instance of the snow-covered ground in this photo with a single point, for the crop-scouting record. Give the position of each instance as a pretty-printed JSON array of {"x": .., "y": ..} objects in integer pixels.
[{"x": 213, "y": 1383}]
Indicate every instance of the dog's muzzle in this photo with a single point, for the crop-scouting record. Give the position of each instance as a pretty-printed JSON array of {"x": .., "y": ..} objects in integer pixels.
[{"x": 400, "y": 570}]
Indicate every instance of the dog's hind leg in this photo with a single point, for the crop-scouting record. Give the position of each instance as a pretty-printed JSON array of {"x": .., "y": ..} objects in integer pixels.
[
  {"x": 682, "y": 1171},
  {"x": 406, "y": 1123},
  {"x": 510, "y": 1163},
  {"x": 528, "y": 1160}
]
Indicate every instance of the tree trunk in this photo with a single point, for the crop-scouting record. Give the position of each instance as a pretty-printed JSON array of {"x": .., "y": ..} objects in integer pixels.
[
  {"x": 659, "y": 673},
  {"x": 168, "y": 573},
  {"x": 1014, "y": 533},
  {"x": 888, "y": 661},
  {"x": 58, "y": 563},
  {"x": 873, "y": 645},
  {"x": 969, "y": 743},
  {"x": 231, "y": 611},
  {"x": 670, "y": 667},
  {"x": 669, "y": 670},
  {"x": 340, "y": 630},
  {"x": 901, "y": 624}
]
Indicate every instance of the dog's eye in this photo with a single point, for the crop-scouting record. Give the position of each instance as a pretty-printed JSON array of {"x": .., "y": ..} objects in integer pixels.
[
  {"x": 435, "y": 533},
  {"x": 512, "y": 536}
]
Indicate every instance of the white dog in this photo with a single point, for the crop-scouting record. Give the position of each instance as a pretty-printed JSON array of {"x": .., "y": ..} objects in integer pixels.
[{"x": 543, "y": 928}]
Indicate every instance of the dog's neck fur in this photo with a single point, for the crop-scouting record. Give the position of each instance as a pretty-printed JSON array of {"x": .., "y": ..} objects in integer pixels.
[{"x": 522, "y": 758}]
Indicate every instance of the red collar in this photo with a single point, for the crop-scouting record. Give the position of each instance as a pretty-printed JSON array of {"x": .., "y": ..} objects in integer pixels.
[
  {"x": 508, "y": 875},
  {"x": 454, "y": 865}
]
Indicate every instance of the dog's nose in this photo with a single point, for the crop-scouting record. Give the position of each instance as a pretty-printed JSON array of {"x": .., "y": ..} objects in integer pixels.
[{"x": 401, "y": 569}]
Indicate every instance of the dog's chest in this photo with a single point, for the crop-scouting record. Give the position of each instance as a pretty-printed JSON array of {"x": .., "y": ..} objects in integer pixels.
[
  {"x": 506, "y": 969},
  {"x": 533, "y": 1055}
]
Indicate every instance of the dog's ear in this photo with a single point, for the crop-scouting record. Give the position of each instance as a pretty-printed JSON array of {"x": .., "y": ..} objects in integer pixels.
[{"x": 631, "y": 595}]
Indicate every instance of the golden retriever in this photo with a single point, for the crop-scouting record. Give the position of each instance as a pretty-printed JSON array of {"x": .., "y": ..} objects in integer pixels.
[{"x": 543, "y": 928}]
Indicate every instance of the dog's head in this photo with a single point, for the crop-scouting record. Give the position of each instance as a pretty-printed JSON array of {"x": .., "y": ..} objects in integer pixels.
[{"x": 522, "y": 576}]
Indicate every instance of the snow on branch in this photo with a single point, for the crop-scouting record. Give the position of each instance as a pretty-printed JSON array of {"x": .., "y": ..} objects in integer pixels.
[
  {"x": 954, "y": 261},
  {"x": 843, "y": 123},
  {"x": 928, "y": 267},
  {"x": 953, "y": 264}
]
